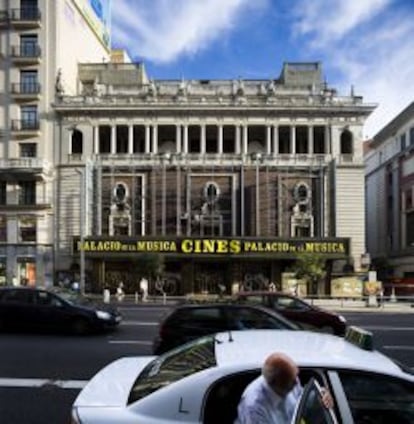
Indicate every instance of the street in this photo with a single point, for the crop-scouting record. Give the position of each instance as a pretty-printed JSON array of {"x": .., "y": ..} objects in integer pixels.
[{"x": 40, "y": 375}]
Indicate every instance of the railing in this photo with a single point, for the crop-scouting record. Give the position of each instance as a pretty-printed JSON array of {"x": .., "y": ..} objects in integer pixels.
[
  {"x": 25, "y": 88},
  {"x": 29, "y": 163},
  {"x": 25, "y": 125},
  {"x": 25, "y": 14},
  {"x": 26, "y": 51}
]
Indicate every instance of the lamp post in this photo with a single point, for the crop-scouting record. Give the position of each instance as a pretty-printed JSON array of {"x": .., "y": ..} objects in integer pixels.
[{"x": 81, "y": 172}]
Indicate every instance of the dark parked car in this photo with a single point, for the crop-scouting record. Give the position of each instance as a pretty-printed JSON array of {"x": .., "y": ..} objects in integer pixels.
[
  {"x": 295, "y": 309},
  {"x": 30, "y": 308},
  {"x": 190, "y": 321}
]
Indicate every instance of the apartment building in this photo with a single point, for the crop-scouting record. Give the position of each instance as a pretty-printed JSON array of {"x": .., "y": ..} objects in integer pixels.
[
  {"x": 389, "y": 185},
  {"x": 41, "y": 44}
]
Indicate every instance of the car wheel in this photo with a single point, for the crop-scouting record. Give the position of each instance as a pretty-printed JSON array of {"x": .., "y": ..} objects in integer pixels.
[{"x": 80, "y": 326}]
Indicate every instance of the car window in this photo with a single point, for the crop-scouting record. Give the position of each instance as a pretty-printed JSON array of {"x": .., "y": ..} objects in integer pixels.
[
  {"x": 378, "y": 399},
  {"x": 249, "y": 318},
  {"x": 289, "y": 303},
  {"x": 311, "y": 409},
  {"x": 47, "y": 299},
  {"x": 173, "y": 366},
  {"x": 23, "y": 297}
]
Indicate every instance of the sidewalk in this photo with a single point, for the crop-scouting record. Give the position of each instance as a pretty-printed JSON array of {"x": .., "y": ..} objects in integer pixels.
[
  {"x": 335, "y": 304},
  {"x": 361, "y": 305}
]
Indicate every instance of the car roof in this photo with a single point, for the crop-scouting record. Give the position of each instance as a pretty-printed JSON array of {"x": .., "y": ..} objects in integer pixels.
[{"x": 307, "y": 349}]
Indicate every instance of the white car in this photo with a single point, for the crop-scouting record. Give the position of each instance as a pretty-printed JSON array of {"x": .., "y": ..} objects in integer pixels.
[{"x": 202, "y": 381}]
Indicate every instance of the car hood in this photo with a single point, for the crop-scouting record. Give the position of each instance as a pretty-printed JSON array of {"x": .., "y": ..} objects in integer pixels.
[{"x": 111, "y": 386}]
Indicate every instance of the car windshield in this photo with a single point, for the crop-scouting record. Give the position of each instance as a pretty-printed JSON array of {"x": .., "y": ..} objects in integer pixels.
[{"x": 174, "y": 365}]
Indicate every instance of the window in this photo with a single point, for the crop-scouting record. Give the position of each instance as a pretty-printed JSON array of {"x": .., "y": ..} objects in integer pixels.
[
  {"x": 403, "y": 141},
  {"x": 27, "y": 192},
  {"x": 27, "y": 229},
  {"x": 378, "y": 398},
  {"x": 77, "y": 142},
  {"x": 29, "y": 46},
  {"x": 28, "y": 150},
  {"x": 412, "y": 136},
  {"x": 346, "y": 143},
  {"x": 3, "y": 193},
  {"x": 29, "y": 9},
  {"x": 173, "y": 366},
  {"x": 29, "y": 118},
  {"x": 3, "y": 228},
  {"x": 17, "y": 296},
  {"x": 28, "y": 82},
  {"x": 248, "y": 318}
]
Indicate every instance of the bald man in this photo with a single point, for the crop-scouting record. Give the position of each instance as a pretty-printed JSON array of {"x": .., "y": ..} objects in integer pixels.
[{"x": 272, "y": 397}]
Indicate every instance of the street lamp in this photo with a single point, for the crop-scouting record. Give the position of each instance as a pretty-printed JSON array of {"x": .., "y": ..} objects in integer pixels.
[{"x": 81, "y": 172}]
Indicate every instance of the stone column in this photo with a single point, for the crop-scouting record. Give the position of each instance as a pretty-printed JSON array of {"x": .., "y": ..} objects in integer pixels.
[
  {"x": 154, "y": 146},
  {"x": 293, "y": 140},
  {"x": 178, "y": 138},
  {"x": 95, "y": 139},
  {"x": 147, "y": 139},
  {"x": 238, "y": 140},
  {"x": 185, "y": 138},
  {"x": 220, "y": 138},
  {"x": 130, "y": 139},
  {"x": 245, "y": 139},
  {"x": 113, "y": 139},
  {"x": 276, "y": 139},
  {"x": 203, "y": 138},
  {"x": 268, "y": 139},
  {"x": 310, "y": 139}
]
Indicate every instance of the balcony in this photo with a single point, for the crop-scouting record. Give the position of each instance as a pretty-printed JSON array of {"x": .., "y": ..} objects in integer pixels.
[
  {"x": 25, "y": 128},
  {"x": 25, "y": 165},
  {"x": 25, "y": 91},
  {"x": 25, "y": 18},
  {"x": 26, "y": 54}
]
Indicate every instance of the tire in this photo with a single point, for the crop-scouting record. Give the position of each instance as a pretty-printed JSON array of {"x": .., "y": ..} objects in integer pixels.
[{"x": 80, "y": 326}]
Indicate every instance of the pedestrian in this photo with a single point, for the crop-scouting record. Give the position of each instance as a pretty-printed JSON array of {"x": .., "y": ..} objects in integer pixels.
[
  {"x": 272, "y": 397},
  {"x": 272, "y": 287},
  {"x": 120, "y": 294}
]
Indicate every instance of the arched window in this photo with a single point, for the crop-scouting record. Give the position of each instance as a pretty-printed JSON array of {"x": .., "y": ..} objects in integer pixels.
[
  {"x": 346, "y": 142},
  {"x": 77, "y": 142}
]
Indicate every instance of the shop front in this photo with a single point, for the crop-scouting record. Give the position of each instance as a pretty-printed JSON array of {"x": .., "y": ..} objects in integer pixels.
[{"x": 180, "y": 266}]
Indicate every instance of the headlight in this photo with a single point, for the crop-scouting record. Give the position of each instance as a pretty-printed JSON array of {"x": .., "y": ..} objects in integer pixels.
[
  {"x": 341, "y": 318},
  {"x": 103, "y": 315}
]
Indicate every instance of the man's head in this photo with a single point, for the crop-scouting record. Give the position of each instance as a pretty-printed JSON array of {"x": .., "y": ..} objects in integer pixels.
[{"x": 280, "y": 372}]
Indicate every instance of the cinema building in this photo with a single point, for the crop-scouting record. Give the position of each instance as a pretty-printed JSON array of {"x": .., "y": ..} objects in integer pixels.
[{"x": 228, "y": 180}]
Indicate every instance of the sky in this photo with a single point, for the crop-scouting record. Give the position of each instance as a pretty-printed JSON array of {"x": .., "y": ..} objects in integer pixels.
[{"x": 367, "y": 44}]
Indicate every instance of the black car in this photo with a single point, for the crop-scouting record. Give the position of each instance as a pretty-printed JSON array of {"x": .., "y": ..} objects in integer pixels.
[
  {"x": 30, "y": 308},
  {"x": 190, "y": 321},
  {"x": 309, "y": 316}
]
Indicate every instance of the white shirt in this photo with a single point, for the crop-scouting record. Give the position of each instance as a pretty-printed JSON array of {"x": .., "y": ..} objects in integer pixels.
[{"x": 259, "y": 404}]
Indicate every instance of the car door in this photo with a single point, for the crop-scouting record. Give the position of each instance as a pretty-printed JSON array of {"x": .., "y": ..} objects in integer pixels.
[
  {"x": 17, "y": 309},
  {"x": 310, "y": 409},
  {"x": 52, "y": 312}
]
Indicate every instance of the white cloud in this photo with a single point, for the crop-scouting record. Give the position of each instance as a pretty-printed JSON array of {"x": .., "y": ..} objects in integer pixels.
[
  {"x": 162, "y": 30},
  {"x": 330, "y": 20},
  {"x": 373, "y": 51}
]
